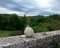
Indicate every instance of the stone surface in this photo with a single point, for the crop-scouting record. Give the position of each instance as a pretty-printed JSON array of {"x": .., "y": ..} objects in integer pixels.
[
  {"x": 39, "y": 40},
  {"x": 29, "y": 32}
]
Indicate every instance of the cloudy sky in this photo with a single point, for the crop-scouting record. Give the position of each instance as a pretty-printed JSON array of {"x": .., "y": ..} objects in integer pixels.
[{"x": 30, "y": 7}]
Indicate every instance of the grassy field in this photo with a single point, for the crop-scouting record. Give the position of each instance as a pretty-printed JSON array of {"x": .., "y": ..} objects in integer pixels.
[{"x": 10, "y": 33}]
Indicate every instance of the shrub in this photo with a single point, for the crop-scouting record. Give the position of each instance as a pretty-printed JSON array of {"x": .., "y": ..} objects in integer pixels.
[{"x": 16, "y": 33}]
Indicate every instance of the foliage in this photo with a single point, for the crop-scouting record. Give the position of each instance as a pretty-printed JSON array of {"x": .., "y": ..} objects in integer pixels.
[
  {"x": 16, "y": 33},
  {"x": 12, "y": 22}
]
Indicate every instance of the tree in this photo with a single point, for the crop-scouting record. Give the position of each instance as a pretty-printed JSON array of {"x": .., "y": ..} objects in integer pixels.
[
  {"x": 13, "y": 23},
  {"x": 0, "y": 21}
]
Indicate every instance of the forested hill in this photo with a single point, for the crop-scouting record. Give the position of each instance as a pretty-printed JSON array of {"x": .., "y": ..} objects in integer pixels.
[{"x": 39, "y": 23}]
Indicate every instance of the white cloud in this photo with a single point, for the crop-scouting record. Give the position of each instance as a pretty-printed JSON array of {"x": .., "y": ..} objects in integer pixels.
[
  {"x": 31, "y": 7},
  {"x": 43, "y": 3},
  {"x": 34, "y": 3},
  {"x": 7, "y": 11}
]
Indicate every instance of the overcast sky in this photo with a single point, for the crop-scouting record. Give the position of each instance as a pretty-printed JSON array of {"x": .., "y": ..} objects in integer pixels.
[{"x": 30, "y": 7}]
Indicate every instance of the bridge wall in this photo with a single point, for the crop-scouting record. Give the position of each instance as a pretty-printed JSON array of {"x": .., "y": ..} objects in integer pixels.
[{"x": 39, "y": 40}]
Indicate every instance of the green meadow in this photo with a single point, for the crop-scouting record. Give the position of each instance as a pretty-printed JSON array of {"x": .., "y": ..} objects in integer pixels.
[{"x": 9, "y": 33}]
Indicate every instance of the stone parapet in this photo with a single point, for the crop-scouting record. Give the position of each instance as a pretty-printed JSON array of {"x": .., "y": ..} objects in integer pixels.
[{"x": 39, "y": 40}]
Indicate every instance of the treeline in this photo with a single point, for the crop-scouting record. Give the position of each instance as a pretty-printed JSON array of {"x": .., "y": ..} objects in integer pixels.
[
  {"x": 12, "y": 22},
  {"x": 45, "y": 23}
]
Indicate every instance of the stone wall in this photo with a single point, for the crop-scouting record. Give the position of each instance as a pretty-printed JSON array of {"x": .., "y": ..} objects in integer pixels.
[{"x": 39, "y": 40}]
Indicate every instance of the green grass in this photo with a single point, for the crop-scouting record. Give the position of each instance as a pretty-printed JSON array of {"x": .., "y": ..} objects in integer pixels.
[{"x": 10, "y": 33}]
